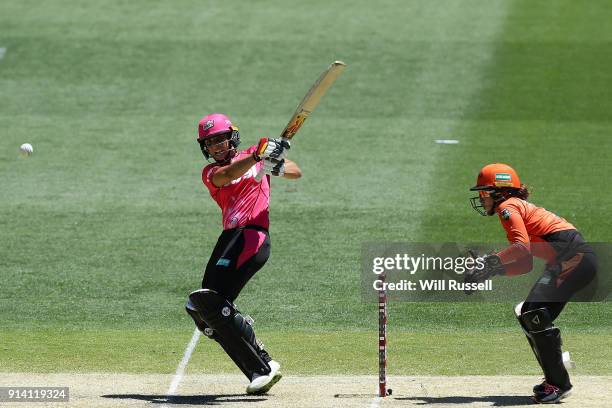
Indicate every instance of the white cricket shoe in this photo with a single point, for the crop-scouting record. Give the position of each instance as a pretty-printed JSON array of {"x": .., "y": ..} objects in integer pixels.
[{"x": 262, "y": 383}]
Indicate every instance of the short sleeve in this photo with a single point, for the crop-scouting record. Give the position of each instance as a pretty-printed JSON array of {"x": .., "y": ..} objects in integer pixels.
[{"x": 207, "y": 175}]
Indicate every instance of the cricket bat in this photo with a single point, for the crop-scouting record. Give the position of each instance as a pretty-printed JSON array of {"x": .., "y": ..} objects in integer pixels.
[{"x": 310, "y": 102}]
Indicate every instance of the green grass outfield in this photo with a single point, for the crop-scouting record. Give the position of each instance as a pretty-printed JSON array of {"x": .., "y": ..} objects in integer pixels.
[
  {"x": 106, "y": 228},
  {"x": 499, "y": 352}
]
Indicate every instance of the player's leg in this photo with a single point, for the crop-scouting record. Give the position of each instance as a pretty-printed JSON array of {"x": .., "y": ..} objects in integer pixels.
[
  {"x": 222, "y": 262},
  {"x": 228, "y": 238},
  {"x": 536, "y": 316},
  {"x": 518, "y": 311},
  {"x": 238, "y": 255},
  {"x": 545, "y": 340},
  {"x": 231, "y": 267},
  {"x": 255, "y": 253},
  {"x": 259, "y": 384},
  {"x": 255, "y": 344},
  {"x": 223, "y": 323}
]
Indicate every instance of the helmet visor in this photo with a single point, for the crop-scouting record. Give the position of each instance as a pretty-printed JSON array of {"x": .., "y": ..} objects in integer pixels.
[
  {"x": 478, "y": 206},
  {"x": 217, "y": 139}
]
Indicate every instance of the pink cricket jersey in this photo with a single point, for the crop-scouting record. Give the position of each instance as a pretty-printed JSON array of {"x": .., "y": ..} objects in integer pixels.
[{"x": 243, "y": 201}]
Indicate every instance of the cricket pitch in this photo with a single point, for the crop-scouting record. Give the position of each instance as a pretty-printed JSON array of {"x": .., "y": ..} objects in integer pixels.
[{"x": 150, "y": 390}]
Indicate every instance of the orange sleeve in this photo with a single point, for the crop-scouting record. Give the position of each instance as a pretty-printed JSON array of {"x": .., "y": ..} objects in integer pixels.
[
  {"x": 516, "y": 258},
  {"x": 520, "y": 266}
]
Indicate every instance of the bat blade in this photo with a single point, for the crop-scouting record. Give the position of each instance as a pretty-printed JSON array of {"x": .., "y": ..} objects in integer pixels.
[
  {"x": 312, "y": 98},
  {"x": 310, "y": 102}
]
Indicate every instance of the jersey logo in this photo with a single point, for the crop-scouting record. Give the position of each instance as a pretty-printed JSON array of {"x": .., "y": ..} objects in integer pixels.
[
  {"x": 505, "y": 214},
  {"x": 251, "y": 173}
]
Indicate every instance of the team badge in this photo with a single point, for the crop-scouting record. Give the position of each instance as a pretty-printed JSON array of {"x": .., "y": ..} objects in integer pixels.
[
  {"x": 505, "y": 214},
  {"x": 503, "y": 180},
  {"x": 209, "y": 124},
  {"x": 226, "y": 311},
  {"x": 503, "y": 177}
]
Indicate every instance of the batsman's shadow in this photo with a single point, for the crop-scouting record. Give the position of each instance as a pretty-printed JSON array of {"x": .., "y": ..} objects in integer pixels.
[
  {"x": 495, "y": 400},
  {"x": 188, "y": 399}
]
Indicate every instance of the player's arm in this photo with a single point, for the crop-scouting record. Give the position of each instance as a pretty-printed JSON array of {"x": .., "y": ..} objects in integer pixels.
[
  {"x": 266, "y": 148},
  {"x": 232, "y": 171},
  {"x": 515, "y": 259},
  {"x": 281, "y": 168},
  {"x": 517, "y": 256},
  {"x": 292, "y": 170}
]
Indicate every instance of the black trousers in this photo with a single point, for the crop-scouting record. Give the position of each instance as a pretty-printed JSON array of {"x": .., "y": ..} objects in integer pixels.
[
  {"x": 557, "y": 286},
  {"x": 559, "y": 283},
  {"x": 223, "y": 272}
]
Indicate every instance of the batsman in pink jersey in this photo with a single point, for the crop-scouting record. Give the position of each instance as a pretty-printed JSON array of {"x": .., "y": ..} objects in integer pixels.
[{"x": 244, "y": 245}]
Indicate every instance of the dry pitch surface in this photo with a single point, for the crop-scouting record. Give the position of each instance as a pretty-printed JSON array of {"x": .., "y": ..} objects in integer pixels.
[{"x": 125, "y": 390}]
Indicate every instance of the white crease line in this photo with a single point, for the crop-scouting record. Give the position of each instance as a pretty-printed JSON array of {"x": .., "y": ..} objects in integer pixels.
[
  {"x": 375, "y": 402},
  {"x": 180, "y": 370}
]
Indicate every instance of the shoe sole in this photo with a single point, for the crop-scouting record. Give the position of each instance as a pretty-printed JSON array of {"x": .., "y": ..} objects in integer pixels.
[{"x": 269, "y": 385}]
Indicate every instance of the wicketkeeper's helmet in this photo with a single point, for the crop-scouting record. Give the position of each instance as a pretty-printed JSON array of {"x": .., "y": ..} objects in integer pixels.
[
  {"x": 498, "y": 181},
  {"x": 216, "y": 124}
]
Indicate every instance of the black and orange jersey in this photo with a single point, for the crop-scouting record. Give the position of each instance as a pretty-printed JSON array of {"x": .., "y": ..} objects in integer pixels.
[{"x": 527, "y": 224}]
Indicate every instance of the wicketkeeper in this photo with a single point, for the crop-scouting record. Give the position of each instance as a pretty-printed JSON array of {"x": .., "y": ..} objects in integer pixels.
[
  {"x": 570, "y": 265},
  {"x": 244, "y": 245}
]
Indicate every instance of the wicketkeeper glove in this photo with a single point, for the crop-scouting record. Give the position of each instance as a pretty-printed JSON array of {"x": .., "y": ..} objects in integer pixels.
[
  {"x": 272, "y": 148},
  {"x": 491, "y": 266},
  {"x": 274, "y": 167}
]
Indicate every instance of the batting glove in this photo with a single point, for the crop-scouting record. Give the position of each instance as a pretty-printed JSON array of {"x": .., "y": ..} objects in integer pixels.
[
  {"x": 274, "y": 167},
  {"x": 272, "y": 148}
]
